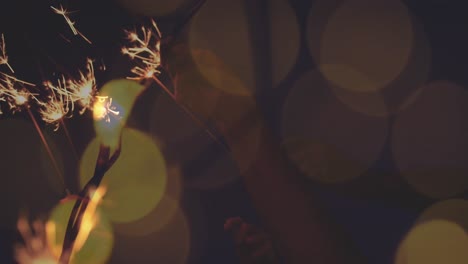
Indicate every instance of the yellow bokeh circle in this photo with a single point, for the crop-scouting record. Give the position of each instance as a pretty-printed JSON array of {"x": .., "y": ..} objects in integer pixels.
[
  {"x": 135, "y": 183},
  {"x": 434, "y": 242},
  {"x": 376, "y": 44}
]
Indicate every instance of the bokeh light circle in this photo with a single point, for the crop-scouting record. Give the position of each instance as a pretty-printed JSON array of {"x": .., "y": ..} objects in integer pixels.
[
  {"x": 228, "y": 65},
  {"x": 434, "y": 242},
  {"x": 152, "y": 7},
  {"x": 204, "y": 164},
  {"x": 325, "y": 139},
  {"x": 429, "y": 142},
  {"x": 29, "y": 181},
  {"x": 135, "y": 183},
  {"x": 170, "y": 244},
  {"x": 98, "y": 246},
  {"x": 453, "y": 210},
  {"x": 376, "y": 44},
  {"x": 162, "y": 214}
]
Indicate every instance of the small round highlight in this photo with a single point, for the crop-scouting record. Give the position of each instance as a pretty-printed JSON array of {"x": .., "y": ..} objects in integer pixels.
[
  {"x": 434, "y": 242},
  {"x": 453, "y": 210},
  {"x": 98, "y": 245},
  {"x": 376, "y": 44},
  {"x": 135, "y": 183},
  {"x": 325, "y": 139},
  {"x": 429, "y": 143},
  {"x": 229, "y": 64},
  {"x": 152, "y": 7},
  {"x": 170, "y": 244}
]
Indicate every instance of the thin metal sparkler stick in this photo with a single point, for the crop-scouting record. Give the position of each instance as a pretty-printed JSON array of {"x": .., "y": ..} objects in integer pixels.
[
  {"x": 46, "y": 145},
  {"x": 192, "y": 115}
]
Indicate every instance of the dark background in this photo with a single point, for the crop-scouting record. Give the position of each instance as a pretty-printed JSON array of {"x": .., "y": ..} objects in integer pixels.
[{"x": 377, "y": 209}]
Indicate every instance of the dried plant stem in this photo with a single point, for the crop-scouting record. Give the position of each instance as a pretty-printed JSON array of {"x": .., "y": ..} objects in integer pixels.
[{"x": 103, "y": 164}]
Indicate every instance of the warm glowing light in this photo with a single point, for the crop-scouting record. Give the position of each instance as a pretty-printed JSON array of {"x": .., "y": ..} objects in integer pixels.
[
  {"x": 144, "y": 48},
  {"x": 103, "y": 109},
  {"x": 12, "y": 90},
  {"x": 66, "y": 94},
  {"x": 55, "y": 109},
  {"x": 124, "y": 94},
  {"x": 35, "y": 249},
  {"x": 65, "y": 13},
  {"x": 90, "y": 218},
  {"x": 95, "y": 239}
]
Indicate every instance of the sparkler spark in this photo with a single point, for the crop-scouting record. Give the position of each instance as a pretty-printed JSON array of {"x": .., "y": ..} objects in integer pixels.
[
  {"x": 103, "y": 108},
  {"x": 65, "y": 14},
  {"x": 144, "y": 48},
  {"x": 3, "y": 55},
  {"x": 35, "y": 249}
]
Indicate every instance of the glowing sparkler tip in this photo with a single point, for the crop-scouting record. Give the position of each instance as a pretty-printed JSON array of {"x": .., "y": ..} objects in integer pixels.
[{"x": 144, "y": 48}]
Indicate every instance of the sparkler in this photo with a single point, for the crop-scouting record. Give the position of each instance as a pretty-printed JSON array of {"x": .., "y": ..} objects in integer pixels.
[
  {"x": 58, "y": 101},
  {"x": 35, "y": 249},
  {"x": 64, "y": 13},
  {"x": 144, "y": 48}
]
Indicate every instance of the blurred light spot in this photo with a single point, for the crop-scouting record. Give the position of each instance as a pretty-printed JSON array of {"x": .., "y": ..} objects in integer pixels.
[
  {"x": 170, "y": 244},
  {"x": 453, "y": 210},
  {"x": 26, "y": 183},
  {"x": 434, "y": 242},
  {"x": 98, "y": 246},
  {"x": 369, "y": 103},
  {"x": 429, "y": 141},
  {"x": 323, "y": 138},
  {"x": 285, "y": 37},
  {"x": 162, "y": 214},
  {"x": 376, "y": 43},
  {"x": 193, "y": 91},
  {"x": 406, "y": 88},
  {"x": 218, "y": 73},
  {"x": 151, "y": 7},
  {"x": 204, "y": 163},
  {"x": 221, "y": 28},
  {"x": 123, "y": 94},
  {"x": 135, "y": 183}
]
